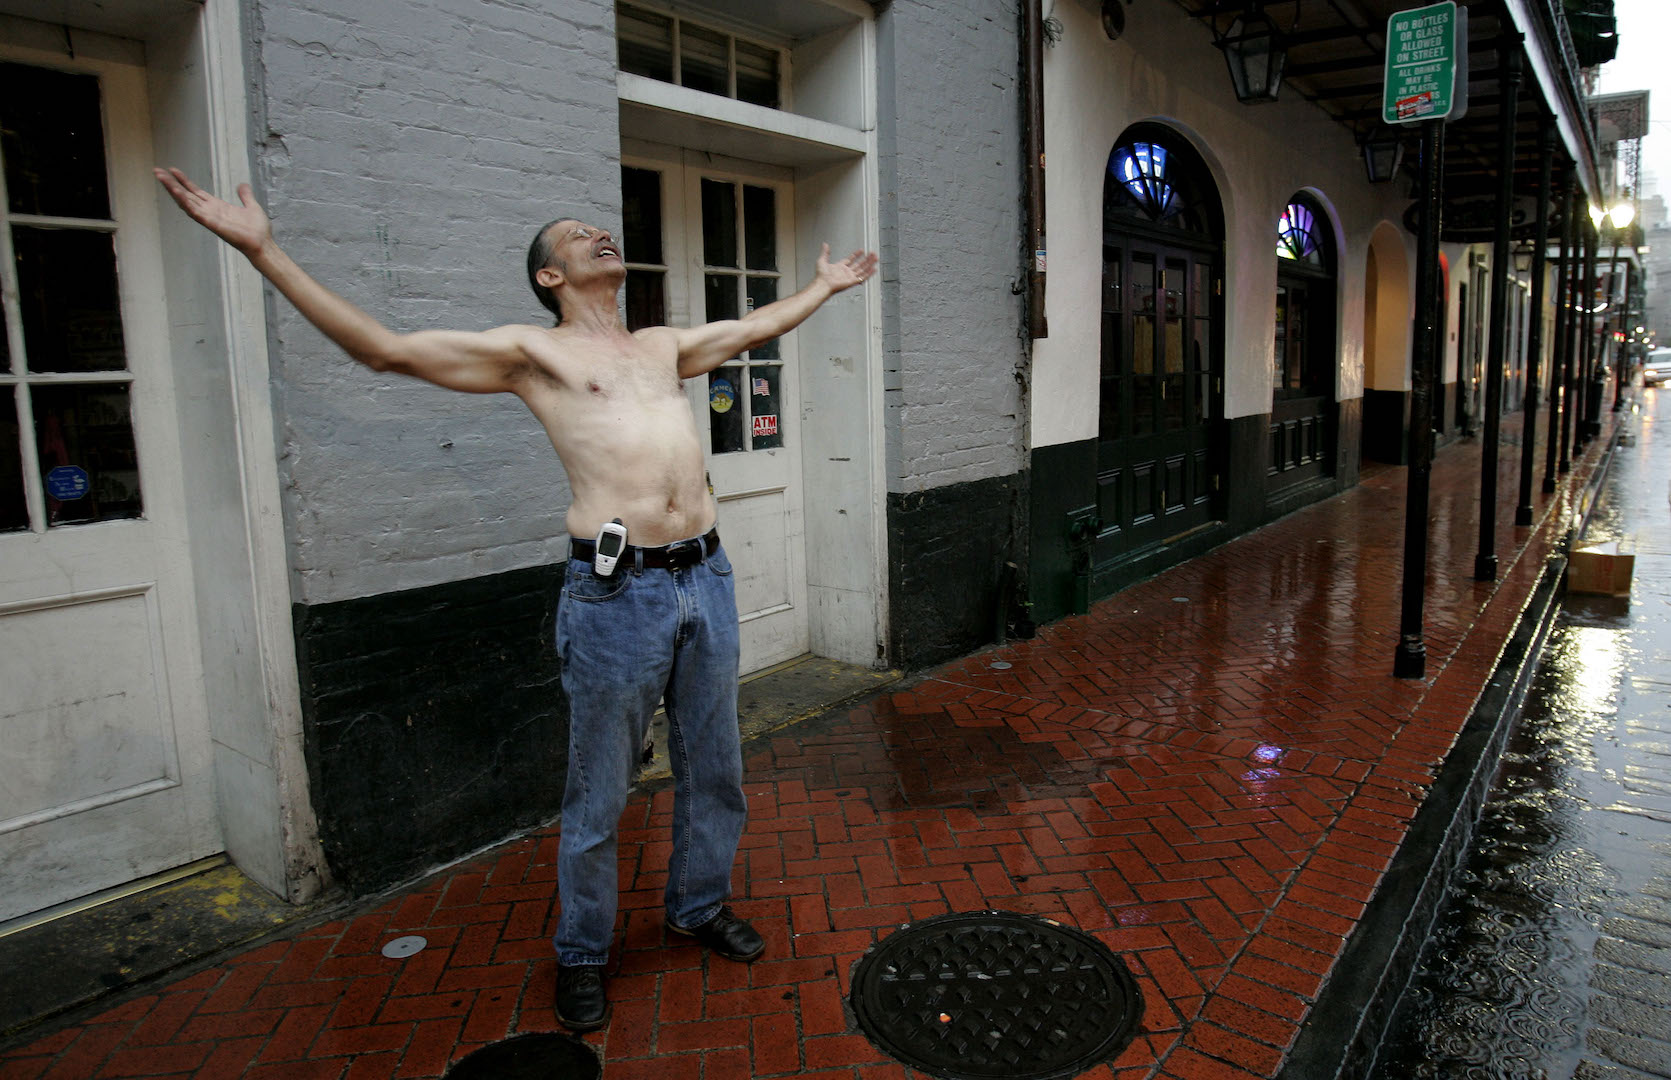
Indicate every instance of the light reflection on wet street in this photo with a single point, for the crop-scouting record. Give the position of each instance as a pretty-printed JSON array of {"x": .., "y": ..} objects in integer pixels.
[{"x": 1552, "y": 958}]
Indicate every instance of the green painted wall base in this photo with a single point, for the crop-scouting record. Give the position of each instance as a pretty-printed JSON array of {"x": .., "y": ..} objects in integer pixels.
[{"x": 1062, "y": 492}]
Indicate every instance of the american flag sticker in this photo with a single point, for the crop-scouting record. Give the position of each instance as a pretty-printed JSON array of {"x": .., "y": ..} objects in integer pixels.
[{"x": 762, "y": 388}]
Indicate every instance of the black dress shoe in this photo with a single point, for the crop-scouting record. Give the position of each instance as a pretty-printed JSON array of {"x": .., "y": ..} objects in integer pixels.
[
  {"x": 726, "y": 935},
  {"x": 580, "y": 1004}
]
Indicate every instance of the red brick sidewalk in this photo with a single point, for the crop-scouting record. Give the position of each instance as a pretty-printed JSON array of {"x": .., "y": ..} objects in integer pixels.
[{"x": 1210, "y": 773}]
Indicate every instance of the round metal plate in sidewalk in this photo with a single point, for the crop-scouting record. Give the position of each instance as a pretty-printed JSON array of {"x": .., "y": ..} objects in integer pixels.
[
  {"x": 990, "y": 994},
  {"x": 535, "y": 1056}
]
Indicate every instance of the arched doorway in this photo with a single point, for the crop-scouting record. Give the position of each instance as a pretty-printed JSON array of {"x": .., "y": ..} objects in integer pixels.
[
  {"x": 1303, "y": 422},
  {"x": 1387, "y": 314},
  {"x": 1160, "y": 469}
]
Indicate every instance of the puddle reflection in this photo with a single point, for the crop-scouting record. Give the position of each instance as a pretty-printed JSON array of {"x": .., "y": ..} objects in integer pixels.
[{"x": 1502, "y": 988}]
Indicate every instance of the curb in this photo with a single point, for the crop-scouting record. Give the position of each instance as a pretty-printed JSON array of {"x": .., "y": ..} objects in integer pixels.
[{"x": 1343, "y": 1031}]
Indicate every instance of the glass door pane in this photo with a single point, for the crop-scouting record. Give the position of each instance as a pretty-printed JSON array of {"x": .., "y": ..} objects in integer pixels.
[
  {"x": 84, "y": 439},
  {"x": 52, "y": 140},
  {"x": 1176, "y": 314},
  {"x": 641, "y": 239},
  {"x": 740, "y": 252},
  {"x": 1145, "y": 314},
  {"x": 14, "y": 510}
]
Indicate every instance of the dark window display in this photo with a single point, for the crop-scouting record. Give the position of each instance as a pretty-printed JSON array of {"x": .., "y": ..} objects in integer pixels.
[
  {"x": 765, "y": 412},
  {"x": 72, "y": 317},
  {"x": 719, "y": 223},
  {"x": 84, "y": 441},
  {"x": 641, "y": 215},
  {"x": 646, "y": 299},
  {"x": 726, "y": 409},
  {"x": 52, "y": 139}
]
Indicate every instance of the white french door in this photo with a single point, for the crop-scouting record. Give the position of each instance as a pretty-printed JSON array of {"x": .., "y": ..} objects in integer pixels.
[
  {"x": 706, "y": 239},
  {"x": 105, "y": 761}
]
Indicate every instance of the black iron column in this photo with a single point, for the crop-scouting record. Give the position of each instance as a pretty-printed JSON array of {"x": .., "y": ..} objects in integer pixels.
[
  {"x": 1485, "y": 559},
  {"x": 1534, "y": 328},
  {"x": 1410, "y": 660},
  {"x": 1621, "y": 351},
  {"x": 1558, "y": 361},
  {"x": 1592, "y": 362},
  {"x": 1570, "y": 369}
]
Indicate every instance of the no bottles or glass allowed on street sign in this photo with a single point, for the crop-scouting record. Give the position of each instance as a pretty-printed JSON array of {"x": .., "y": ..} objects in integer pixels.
[{"x": 1423, "y": 81}]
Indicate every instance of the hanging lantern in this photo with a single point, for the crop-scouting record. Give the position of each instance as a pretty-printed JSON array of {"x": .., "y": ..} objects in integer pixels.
[
  {"x": 1383, "y": 153},
  {"x": 1255, "y": 53}
]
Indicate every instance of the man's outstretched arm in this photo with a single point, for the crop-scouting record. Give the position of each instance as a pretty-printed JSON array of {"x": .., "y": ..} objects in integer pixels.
[
  {"x": 481, "y": 363},
  {"x": 703, "y": 348}
]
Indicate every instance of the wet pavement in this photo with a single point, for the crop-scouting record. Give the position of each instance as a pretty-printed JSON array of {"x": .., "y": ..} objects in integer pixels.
[
  {"x": 1210, "y": 774},
  {"x": 1553, "y": 955}
]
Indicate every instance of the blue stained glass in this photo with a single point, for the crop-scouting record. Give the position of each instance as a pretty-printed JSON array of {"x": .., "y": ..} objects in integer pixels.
[{"x": 1141, "y": 168}]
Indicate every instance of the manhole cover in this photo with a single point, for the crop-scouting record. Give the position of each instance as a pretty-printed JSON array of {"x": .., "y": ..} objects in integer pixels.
[
  {"x": 992, "y": 994},
  {"x": 535, "y": 1056}
]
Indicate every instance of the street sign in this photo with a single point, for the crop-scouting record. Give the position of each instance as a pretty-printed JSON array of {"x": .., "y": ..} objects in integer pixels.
[{"x": 1420, "y": 81}]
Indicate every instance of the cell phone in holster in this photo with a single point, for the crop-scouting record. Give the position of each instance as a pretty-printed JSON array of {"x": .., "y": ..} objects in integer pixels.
[{"x": 606, "y": 550}]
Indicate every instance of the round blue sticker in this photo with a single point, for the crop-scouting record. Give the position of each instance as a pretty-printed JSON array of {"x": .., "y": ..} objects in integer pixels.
[
  {"x": 720, "y": 396},
  {"x": 67, "y": 483}
]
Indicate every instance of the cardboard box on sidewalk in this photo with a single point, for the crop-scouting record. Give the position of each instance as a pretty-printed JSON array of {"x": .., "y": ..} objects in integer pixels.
[{"x": 1601, "y": 569}]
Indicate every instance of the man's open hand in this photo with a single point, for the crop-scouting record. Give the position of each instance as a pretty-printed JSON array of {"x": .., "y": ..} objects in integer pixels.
[
  {"x": 245, "y": 227},
  {"x": 848, "y": 272}
]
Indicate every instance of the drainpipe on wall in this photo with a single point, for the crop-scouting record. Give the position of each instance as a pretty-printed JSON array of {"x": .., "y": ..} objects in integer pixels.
[{"x": 1032, "y": 67}]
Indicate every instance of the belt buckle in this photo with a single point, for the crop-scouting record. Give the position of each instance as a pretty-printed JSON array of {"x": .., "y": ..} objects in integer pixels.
[{"x": 684, "y": 552}]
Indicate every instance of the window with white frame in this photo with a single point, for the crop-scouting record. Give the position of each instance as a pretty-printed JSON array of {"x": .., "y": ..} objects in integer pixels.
[
  {"x": 67, "y": 450},
  {"x": 674, "y": 49}
]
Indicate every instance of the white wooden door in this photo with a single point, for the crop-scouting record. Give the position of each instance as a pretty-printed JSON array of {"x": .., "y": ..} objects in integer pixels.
[
  {"x": 708, "y": 238},
  {"x": 105, "y": 764}
]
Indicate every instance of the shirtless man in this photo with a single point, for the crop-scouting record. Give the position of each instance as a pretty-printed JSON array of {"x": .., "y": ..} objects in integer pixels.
[{"x": 664, "y": 624}]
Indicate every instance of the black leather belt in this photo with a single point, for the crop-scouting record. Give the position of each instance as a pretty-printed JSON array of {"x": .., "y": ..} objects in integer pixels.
[{"x": 672, "y": 556}]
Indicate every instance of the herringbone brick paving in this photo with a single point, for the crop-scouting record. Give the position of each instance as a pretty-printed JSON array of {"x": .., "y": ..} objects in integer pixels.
[{"x": 1210, "y": 773}]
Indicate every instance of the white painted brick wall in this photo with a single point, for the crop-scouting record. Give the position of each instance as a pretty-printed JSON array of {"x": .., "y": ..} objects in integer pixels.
[
  {"x": 407, "y": 151},
  {"x": 949, "y": 129}
]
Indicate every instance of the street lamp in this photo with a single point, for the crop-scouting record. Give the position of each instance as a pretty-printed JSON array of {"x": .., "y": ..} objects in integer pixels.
[
  {"x": 1255, "y": 53},
  {"x": 1621, "y": 215}
]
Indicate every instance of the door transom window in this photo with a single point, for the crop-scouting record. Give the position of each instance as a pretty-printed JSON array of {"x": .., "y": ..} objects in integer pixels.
[{"x": 673, "y": 49}]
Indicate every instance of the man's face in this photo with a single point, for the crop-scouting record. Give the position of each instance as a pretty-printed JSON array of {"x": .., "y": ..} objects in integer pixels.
[{"x": 582, "y": 251}]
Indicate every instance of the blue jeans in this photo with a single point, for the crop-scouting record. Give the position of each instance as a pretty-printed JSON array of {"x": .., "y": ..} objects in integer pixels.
[{"x": 627, "y": 642}]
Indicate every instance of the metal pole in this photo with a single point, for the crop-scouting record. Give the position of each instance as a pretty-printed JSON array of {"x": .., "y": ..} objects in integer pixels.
[
  {"x": 1558, "y": 359},
  {"x": 1485, "y": 559},
  {"x": 1534, "y": 331},
  {"x": 1621, "y": 356},
  {"x": 1410, "y": 660},
  {"x": 1592, "y": 362},
  {"x": 1569, "y": 365}
]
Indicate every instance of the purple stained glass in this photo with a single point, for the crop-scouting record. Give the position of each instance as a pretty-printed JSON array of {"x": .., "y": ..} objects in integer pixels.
[{"x": 1296, "y": 234}]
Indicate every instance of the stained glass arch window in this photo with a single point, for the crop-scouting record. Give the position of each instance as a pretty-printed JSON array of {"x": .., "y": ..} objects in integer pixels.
[
  {"x": 1156, "y": 181},
  {"x": 1303, "y": 239}
]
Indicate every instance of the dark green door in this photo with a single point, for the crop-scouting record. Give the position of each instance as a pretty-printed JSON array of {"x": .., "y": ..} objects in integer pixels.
[{"x": 1158, "y": 470}]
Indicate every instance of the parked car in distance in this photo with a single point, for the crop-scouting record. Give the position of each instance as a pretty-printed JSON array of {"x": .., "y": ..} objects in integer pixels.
[{"x": 1658, "y": 368}]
